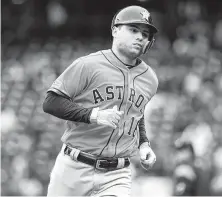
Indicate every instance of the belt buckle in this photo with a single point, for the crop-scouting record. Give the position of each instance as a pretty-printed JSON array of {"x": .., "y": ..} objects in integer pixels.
[{"x": 98, "y": 162}]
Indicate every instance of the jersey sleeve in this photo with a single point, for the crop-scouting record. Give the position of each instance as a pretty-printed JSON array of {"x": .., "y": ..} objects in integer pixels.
[
  {"x": 72, "y": 81},
  {"x": 155, "y": 82}
]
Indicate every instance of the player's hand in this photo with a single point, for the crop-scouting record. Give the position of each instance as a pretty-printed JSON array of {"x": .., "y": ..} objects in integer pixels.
[
  {"x": 147, "y": 156},
  {"x": 109, "y": 117}
]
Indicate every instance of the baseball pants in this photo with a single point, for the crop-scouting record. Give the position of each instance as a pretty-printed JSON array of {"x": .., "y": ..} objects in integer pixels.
[{"x": 74, "y": 178}]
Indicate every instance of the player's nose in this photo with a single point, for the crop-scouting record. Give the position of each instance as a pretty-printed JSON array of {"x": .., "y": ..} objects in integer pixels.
[{"x": 139, "y": 35}]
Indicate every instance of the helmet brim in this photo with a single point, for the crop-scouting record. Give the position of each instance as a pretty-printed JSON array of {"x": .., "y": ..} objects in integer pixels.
[{"x": 150, "y": 26}]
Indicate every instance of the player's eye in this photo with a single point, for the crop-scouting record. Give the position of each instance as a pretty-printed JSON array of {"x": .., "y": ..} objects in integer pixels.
[
  {"x": 145, "y": 35},
  {"x": 134, "y": 30}
]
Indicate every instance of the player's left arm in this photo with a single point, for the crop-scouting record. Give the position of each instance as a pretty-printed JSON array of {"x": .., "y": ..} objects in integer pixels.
[{"x": 147, "y": 156}]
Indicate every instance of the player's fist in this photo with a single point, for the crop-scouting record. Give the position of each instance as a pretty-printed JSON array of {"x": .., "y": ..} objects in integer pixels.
[
  {"x": 108, "y": 117},
  {"x": 147, "y": 156}
]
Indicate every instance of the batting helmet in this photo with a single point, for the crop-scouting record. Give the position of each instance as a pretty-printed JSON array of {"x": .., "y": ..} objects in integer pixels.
[{"x": 136, "y": 14}]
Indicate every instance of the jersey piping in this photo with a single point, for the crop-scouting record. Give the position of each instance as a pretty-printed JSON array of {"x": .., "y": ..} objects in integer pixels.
[
  {"x": 128, "y": 112},
  {"x": 120, "y": 103},
  {"x": 124, "y": 66},
  {"x": 134, "y": 85}
]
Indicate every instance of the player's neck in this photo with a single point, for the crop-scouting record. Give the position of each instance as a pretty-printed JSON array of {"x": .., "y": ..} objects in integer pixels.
[{"x": 123, "y": 58}]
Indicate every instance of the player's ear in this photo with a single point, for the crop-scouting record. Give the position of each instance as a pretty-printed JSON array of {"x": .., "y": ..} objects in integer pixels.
[{"x": 114, "y": 31}]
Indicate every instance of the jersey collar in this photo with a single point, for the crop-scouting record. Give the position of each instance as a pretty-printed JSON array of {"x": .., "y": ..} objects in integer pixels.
[{"x": 113, "y": 59}]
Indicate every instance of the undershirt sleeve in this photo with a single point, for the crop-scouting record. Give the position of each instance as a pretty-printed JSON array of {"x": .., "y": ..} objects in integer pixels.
[
  {"x": 142, "y": 131},
  {"x": 62, "y": 107}
]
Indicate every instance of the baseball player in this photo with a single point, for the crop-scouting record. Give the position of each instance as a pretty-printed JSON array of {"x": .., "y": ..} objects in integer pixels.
[{"x": 103, "y": 96}]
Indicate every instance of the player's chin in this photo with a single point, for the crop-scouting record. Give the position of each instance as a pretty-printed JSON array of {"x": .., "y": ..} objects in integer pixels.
[{"x": 135, "y": 53}]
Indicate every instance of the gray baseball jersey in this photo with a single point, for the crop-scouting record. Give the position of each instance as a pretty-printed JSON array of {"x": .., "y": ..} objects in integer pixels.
[{"x": 102, "y": 80}]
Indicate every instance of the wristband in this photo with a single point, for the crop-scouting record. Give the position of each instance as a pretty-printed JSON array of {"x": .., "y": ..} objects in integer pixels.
[{"x": 94, "y": 114}]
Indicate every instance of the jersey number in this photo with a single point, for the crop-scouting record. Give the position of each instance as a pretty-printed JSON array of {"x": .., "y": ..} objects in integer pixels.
[{"x": 133, "y": 126}]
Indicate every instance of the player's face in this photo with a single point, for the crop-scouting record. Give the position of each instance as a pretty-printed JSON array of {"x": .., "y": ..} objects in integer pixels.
[{"x": 131, "y": 39}]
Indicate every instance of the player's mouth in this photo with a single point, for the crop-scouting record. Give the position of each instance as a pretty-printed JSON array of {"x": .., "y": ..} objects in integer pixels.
[{"x": 138, "y": 45}]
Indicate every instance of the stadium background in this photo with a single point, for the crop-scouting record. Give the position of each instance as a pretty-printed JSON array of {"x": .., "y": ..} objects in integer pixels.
[{"x": 40, "y": 38}]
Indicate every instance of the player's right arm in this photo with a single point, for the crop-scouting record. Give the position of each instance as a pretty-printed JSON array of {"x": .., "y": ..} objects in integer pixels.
[
  {"x": 59, "y": 99},
  {"x": 62, "y": 107}
]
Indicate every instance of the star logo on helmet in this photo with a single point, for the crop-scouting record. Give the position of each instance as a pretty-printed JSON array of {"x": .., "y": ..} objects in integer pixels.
[{"x": 145, "y": 15}]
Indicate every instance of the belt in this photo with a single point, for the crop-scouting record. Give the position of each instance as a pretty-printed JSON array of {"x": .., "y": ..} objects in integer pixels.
[{"x": 103, "y": 164}]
